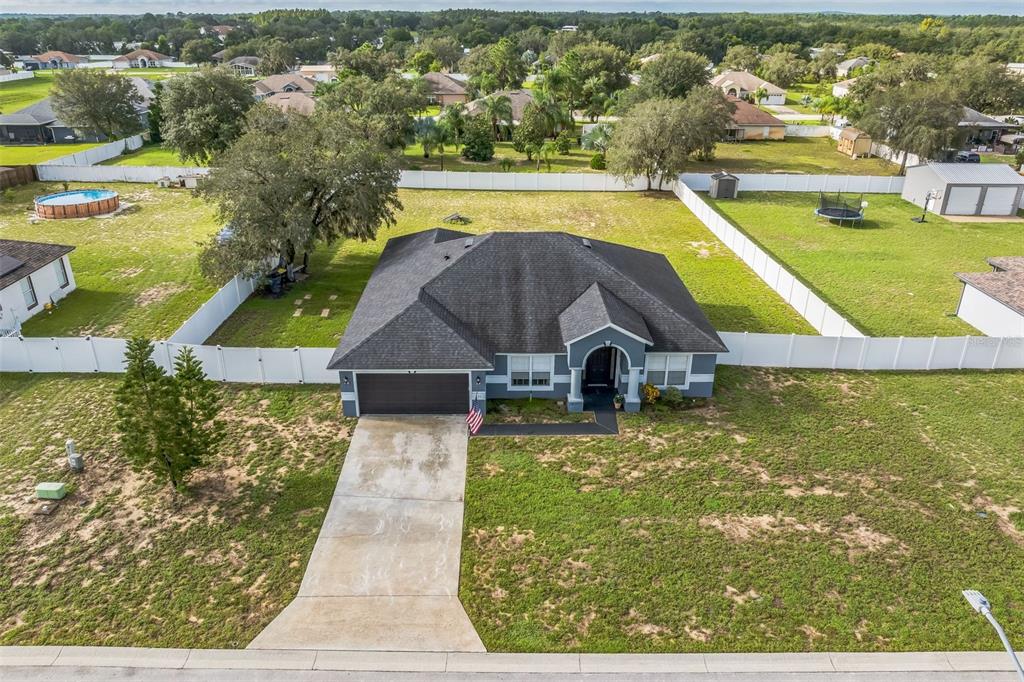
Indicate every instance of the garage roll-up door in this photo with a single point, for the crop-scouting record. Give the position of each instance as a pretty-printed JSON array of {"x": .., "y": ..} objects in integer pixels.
[
  {"x": 413, "y": 393},
  {"x": 963, "y": 200},
  {"x": 999, "y": 201}
]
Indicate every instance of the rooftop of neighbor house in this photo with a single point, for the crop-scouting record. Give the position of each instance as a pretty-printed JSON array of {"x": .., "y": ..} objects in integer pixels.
[
  {"x": 19, "y": 258},
  {"x": 249, "y": 60},
  {"x": 1006, "y": 262},
  {"x": 1004, "y": 284},
  {"x": 972, "y": 118},
  {"x": 59, "y": 54},
  {"x": 279, "y": 82},
  {"x": 746, "y": 81},
  {"x": 748, "y": 114},
  {"x": 136, "y": 54},
  {"x": 298, "y": 102},
  {"x": 443, "y": 84},
  {"x": 430, "y": 301}
]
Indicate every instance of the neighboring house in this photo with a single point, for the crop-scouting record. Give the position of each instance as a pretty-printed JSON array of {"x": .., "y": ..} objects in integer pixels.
[
  {"x": 218, "y": 57},
  {"x": 986, "y": 189},
  {"x": 444, "y": 89},
  {"x": 245, "y": 66},
  {"x": 993, "y": 302},
  {"x": 38, "y": 124},
  {"x": 449, "y": 319},
  {"x": 752, "y": 123},
  {"x": 743, "y": 84},
  {"x": 282, "y": 82},
  {"x": 53, "y": 59},
  {"x": 842, "y": 88},
  {"x": 854, "y": 143},
  {"x": 32, "y": 274},
  {"x": 142, "y": 59},
  {"x": 321, "y": 73},
  {"x": 518, "y": 98},
  {"x": 844, "y": 67},
  {"x": 292, "y": 101},
  {"x": 220, "y": 32},
  {"x": 984, "y": 130}
]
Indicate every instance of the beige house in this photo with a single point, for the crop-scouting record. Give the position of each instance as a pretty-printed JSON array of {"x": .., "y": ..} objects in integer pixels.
[
  {"x": 321, "y": 73},
  {"x": 751, "y": 123},
  {"x": 743, "y": 85},
  {"x": 282, "y": 83},
  {"x": 518, "y": 98},
  {"x": 141, "y": 59},
  {"x": 445, "y": 90},
  {"x": 298, "y": 102},
  {"x": 853, "y": 142}
]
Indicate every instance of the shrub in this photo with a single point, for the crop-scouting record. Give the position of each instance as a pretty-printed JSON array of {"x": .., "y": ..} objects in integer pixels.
[
  {"x": 478, "y": 140},
  {"x": 597, "y": 162},
  {"x": 650, "y": 393},
  {"x": 506, "y": 164},
  {"x": 672, "y": 397},
  {"x": 563, "y": 143}
]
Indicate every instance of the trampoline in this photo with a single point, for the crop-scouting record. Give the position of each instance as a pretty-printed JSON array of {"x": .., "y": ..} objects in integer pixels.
[{"x": 837, "y": 209}]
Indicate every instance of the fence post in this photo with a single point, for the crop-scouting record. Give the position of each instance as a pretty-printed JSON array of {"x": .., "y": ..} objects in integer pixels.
[
  {"x": 95, "y": 358},
  {"x": 221, "y": 364},
  {"x": 60, "y": 353},
  {"x": 999, "y": 348},
  {"x": 963, "y": 352},
  {"x": 259, "y": 364},
  {"x": 896, "y": 358},
  {"x": 931, "y": 353},
  {"x": 789, "y": 351},
  {"x": 298, "y": 365},
  {"x": 743, "y": 348},
  {"x": 835, "y": 353},
  {"x": 863, "y": 352}
]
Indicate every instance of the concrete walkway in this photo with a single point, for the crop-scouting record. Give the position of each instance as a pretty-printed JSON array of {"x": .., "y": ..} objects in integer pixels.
[{"x": 384, "y": 573}]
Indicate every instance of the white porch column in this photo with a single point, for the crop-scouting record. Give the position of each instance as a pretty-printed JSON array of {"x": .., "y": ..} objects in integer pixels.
[
  {"x": 633, "y": 390},
  {"x": 575, "y": 392}
]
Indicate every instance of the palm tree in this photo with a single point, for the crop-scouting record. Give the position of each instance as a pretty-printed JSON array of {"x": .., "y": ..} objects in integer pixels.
[
  {"x": 760, "y": 94},
  {"x": 433, "y": 136},
  {"x": 599, "y": 138},
  {"x": 453, "y": 117},
  {"x": 551, "y": 111},
  {"x": 499, "y": 110},
  {"x": 544, "y": 154}
]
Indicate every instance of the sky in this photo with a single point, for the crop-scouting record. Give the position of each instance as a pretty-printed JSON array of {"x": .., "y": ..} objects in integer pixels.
[{"x": 933, "y": 7}]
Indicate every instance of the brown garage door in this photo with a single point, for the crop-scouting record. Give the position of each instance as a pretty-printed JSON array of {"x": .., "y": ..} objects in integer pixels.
[{"x": 413, "y": 393}]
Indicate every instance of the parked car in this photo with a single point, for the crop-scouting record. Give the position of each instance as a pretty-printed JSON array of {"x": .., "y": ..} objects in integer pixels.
[{"x": 968, "y": 157}]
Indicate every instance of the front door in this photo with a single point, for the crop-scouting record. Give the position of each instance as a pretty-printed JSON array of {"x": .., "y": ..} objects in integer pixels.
[{"x": 598, "y": 370}]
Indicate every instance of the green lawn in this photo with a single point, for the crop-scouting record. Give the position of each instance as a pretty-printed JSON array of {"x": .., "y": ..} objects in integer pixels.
[
  {"x": 890, "y": 277},
  {"x": 731, "y": 294},
  {"x": 798, "y": 90},
  {"x": 796, "y": 511},
  {"x": 16, "y": 95},
  {"x": 126, "y": 562},
  {"x": 810, "y": 155},
  {"x": 149, "y": 155},
  {"x": 137, "y": 271},
  {"x": 577, "y": 161},
  {"x": 30, "y": 155}
]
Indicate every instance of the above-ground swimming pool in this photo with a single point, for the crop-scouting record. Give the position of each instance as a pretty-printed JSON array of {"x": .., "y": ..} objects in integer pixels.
[{"x": 79, "y": 203}]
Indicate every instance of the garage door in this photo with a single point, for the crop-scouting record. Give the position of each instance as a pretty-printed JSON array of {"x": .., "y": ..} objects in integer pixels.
[
  {"x": 1000, "y": 201},
  {"x": 413, "y": 393},
  {"x": 963, "y": 200}
]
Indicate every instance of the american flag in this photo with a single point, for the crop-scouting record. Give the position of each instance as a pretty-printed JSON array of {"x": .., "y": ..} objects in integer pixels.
[{"x": 475, "y": 419}]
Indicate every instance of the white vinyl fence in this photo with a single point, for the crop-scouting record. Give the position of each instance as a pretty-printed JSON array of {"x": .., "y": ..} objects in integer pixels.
[
  {"x": 873, "y": 353},
  {"x": 94, "y": 155},
  {"x": 205, "y": 321},
  {"x": 819, "y": 314},
  {"x": 882, "y": 151},
  {"x": 146, "y": 174},
  {"x": 17, "y": 76},
  {"x": 555, "y": 182},
  {"x": 808, "y": 131},
  {"x": 789, "y": 182}
]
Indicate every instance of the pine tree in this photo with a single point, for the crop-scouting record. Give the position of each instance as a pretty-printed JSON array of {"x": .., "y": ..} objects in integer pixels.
[{"x": 198, "y": 432}]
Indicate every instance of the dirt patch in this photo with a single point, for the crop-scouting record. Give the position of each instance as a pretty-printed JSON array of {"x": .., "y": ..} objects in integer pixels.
[
  {"x": 1002, "y": 514},
  {"x": 158, "y": 293},
  {"x": 741, "y": 598}
]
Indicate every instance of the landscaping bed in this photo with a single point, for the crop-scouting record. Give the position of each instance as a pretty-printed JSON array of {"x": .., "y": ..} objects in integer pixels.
[
  {"x": 889, "y": 276},
  {"x": 137, "y": 270},
  {"x": 730, "y": 293},
  {"x": 528, "y": 411},
  {"x": 795, "y": 511},
  {"x": 123, "y": 561},
  {"x": 576, "y": 161}
]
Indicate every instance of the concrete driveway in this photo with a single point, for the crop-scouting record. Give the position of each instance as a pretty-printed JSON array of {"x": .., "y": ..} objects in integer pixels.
[{"x": 384, "y": 573}]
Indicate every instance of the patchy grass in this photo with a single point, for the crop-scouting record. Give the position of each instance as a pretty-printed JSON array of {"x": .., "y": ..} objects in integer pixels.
[
  {"x": 16, "y": 95},
  {"x": 810, "y": 155},
  {"x": 137, "y": 270},
  {"x": 730, "y": 293},
  {"x": 577, "y": 161},
  {"x": 527, "y": 411},
  {"x": 797, "y": 511},
  {"x": 149, "y": 155},
  {"x": 891, "y": 276},
  {"x": 796, "y": 91},
  {"x": 31, "y": 155},
  {"x": 125, "y": 562}
]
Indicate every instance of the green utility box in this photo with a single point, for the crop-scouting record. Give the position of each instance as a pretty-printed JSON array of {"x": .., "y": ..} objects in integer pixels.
[{"x": 50, "y": 491}]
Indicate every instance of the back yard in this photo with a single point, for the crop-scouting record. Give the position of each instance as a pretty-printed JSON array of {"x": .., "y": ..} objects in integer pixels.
[
  {"x": 123, "y": 561},
  {"x": 137, "y": 270},
  {"x": 795, "y": 511},
  {"x": 811, "y": 155},
  {"x": 891, "y": 276},
  {"x": 730, "y": 293},
  {"x": 30, "y": 155},
  {"x": 148, "y": 155},
  {"x": 16, "y": 95}
]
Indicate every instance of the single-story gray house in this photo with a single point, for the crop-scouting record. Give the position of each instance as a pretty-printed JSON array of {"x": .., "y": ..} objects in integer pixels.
[
  {"x": 32, "y": 274},
  {"x": 38, "y": 124},
  {"x": 986, "y": 189},
  {"x": 448, "y": 320}
]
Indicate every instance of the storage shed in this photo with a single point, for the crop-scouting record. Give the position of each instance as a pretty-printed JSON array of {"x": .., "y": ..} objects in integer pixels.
[
  {"x": 984, "y": 189},
  {"x": 854, "y": 143},
  {"x": 724, "y": 185}
]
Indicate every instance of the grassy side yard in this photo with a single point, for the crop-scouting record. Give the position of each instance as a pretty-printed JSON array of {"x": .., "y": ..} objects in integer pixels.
[
  {"x": 796, "y": 91},
  {"x": 123, "y": 561},
  {"x": 811, "y": 155},
  {"x": 890, "y": 277},
  {"x": 16, "y": 95},
  {"x": 149, "y": 155},
  {"x": 796, "y": 511},
  {"x": 30, "y": 155},
  {"x": 731, "y": 294},
  {"x": 577, "y": 161},
  {"x": 137, "y": 270}
]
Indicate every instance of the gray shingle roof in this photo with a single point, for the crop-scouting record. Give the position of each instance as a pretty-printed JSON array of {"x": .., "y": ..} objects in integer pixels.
[
  {"x": 41, "y": 113},
  {"x": 504, "y": 292},
  {"x": 31, "y": 255},
  {"x": 981, "y": 173},
  {"x": 595, "y": 309}
]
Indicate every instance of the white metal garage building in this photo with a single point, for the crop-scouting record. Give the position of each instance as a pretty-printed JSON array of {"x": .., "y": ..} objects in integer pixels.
[
  {"x": 993, "y": 302},
  {"x": 983, "y": 189}
]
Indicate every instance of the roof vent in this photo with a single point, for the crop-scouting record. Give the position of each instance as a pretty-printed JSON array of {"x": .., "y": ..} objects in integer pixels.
[
  {"x": 447, "y": 257},
  {"x": 468, "y": 243},
  {"x": 586, "y": 243}
]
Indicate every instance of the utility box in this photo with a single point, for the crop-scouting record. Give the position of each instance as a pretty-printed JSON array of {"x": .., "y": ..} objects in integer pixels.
[
  {"x": 724, "y": 186},
  {"x": 51, "y": 491}
]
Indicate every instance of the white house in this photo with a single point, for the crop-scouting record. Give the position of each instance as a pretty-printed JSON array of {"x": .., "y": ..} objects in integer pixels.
[
  {"x": 844, "y": 67},
  {"x": 321, "y": 73},
  {"x": 842, "y": 88},
  {"x": 993, "y": 302},
  {"x": 982, "y": 189},
  {"x": 142, "y": 59},
  {"x": 743, "y": 84},
  {"x": 32, "y": 275}
]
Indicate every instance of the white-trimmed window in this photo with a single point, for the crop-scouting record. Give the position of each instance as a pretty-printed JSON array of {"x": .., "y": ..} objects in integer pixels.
[
  {"x": 61, "y": 272},
  {"x": 526, "y": 372},
  {"x": 667, "y": 369},
  {"x": 29, "y": 292}
]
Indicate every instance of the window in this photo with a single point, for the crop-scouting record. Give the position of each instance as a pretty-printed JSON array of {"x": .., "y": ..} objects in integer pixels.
[
  {"x": 61, "y": 272},
  {"x": 667, "y": 370},
  {"x": 29, "y": 292},
  {"x": 529, "y": 371}
]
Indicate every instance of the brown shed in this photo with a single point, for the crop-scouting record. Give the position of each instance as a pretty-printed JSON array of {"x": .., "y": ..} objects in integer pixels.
[{"x": 854, "y": 143}]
